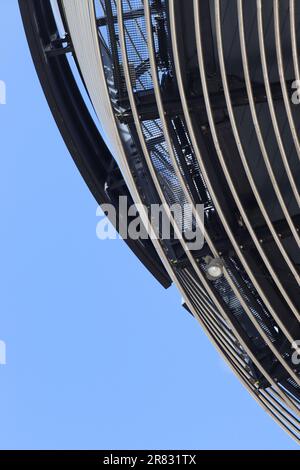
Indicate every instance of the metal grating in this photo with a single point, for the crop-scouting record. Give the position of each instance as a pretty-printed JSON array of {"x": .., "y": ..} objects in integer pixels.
[
  {"x": 146, "y": 45},
  {"x": 200, "y": 95}
]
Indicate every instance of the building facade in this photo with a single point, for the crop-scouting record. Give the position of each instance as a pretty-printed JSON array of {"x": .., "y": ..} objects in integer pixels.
[{"x": 194, "y": 103}]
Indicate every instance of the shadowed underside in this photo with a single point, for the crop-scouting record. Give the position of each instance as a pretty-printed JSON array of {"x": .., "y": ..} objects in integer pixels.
[{"x": 195, "y": 100}]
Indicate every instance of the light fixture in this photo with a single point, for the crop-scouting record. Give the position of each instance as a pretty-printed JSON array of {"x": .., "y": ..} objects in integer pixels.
[{"x": 214, "y": 268}]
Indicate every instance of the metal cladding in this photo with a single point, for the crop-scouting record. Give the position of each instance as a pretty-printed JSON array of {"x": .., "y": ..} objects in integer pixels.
[{"x": 199, "y": 103}]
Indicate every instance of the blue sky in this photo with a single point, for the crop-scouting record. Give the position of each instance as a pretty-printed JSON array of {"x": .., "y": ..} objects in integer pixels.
[{"x": 99, "y": 355}]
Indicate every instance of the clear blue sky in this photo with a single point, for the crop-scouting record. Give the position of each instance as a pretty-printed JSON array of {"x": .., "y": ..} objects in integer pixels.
[{"x": 98, "y": 354}]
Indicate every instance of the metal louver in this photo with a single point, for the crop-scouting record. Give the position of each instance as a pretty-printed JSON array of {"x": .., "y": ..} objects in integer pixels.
[{"x": 195, "y": 99}]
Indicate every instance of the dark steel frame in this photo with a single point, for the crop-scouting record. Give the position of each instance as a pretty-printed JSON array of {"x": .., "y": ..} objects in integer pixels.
[
  {"x": 247, "y": 313},
  {"x": 74, "y": 120}
]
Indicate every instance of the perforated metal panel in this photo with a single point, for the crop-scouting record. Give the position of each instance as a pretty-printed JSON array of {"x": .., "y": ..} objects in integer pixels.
[
  {"x": 199, "y": 99},
  {"x": 204, "y": 99}
]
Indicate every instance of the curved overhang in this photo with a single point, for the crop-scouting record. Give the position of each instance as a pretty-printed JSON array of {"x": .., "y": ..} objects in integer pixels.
[
  {"x": 172, "y": 108},
  {"x": 82, "y": 137}
]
